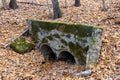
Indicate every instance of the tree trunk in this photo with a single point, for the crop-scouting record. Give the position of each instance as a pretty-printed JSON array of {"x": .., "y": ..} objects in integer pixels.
[
  {"x": 104, "y": 7},
  {"x": 4, "y": 4},
  {"x": 56, "y": 9},
  {"x": 13, "y": 4},
  {"x": 77, "y": 3}
]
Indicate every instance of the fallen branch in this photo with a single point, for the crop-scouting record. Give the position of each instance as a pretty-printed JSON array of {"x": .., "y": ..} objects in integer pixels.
[
  {"x": 80, "y": 74},
  {"x": 84, "y": 73},
  {"x": 22, "y": 34},
  {"x": 64, "y": 71},
  {"x": 31, "y": 3},
  {"x": 36, "y": 4}
]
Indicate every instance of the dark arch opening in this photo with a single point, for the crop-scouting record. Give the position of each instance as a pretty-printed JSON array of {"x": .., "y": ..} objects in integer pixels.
[
  {"x": 47, "y": 52},
  {"x": 66, "y": 56}
]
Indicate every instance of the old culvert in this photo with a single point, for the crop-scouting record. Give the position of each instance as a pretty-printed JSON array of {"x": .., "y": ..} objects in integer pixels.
[
  {"x": 66, "y": 56},
  {"x": 47, "y": 52}
]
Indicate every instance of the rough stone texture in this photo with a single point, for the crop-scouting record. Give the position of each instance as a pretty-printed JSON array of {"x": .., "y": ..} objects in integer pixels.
[{"x": 82, "y": 41}]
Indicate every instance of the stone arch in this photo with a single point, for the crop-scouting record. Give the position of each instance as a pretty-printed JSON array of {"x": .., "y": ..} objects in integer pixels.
[
  {"x": 66, "y": 56},
  {"x": 47, "y": 52}
]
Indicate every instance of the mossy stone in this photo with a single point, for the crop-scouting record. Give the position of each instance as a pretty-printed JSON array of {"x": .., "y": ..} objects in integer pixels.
[
  {"x": 82, "y": 41},
  {"x": 21, "y": 46},
  {"x": 64, "y": 42}
]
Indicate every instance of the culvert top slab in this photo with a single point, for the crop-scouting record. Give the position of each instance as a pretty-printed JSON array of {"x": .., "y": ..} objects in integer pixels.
[{"x": 83, "y": 42}]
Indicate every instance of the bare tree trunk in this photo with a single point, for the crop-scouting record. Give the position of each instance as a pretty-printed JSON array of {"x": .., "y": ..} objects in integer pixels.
[
  {"x": 4, "y": 4},
  {"x": 77, "y": 3},
  {"x": 13, "y": 4},
  {"x": 56, "y": 9},
  {"x": 104, "y": 7}
]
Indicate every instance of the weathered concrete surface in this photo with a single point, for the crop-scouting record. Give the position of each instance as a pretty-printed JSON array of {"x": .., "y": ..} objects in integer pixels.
[{"x": 81, "y": 41}]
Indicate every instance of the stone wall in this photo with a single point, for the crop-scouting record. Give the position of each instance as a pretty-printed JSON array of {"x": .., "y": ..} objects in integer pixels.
[{"x": 83, "y": 42}]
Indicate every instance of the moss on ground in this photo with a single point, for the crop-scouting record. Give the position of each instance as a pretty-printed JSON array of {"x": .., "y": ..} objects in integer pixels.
[{"x": 21, "y": 46}]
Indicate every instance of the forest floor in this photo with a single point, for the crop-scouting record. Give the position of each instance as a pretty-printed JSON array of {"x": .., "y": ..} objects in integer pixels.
[{"x": 14, "y": 66}]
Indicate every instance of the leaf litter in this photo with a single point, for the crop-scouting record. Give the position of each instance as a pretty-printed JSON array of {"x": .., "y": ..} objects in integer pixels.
[{"x": 29, "y": 66}]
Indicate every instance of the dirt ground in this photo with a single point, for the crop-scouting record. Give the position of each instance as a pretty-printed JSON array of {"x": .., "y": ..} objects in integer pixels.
[{"x": 14, "y": 66}]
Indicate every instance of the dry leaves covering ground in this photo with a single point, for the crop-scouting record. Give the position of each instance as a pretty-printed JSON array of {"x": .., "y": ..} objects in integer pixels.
[{"x": 14, "y": 66}]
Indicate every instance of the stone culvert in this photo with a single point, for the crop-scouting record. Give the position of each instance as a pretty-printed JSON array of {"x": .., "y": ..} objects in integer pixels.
[{"x": 76, "y": 43}]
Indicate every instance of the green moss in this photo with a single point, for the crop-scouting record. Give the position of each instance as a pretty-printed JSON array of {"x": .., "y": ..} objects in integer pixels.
[
  {"x": 79, "y": 30},
  {"x": 68, "y": 35},
  {"x": 21, "y": 46},
  {"x": 34, "y": 37},
  {"x": 71, "y": 46},
  {"x": 93, "y": 42},
  {"x": 78, "y": 52},
  {"x": 44, "y": 40},
  {"x": 86, "y": 48},
  {"x": 50, "y": 37},
  {"x": 35, "y": 29},
  {"x": 76, "y": 29},
  {"x": 62, "y": 47},
  {"x": 58, "y": 22},
  {"x": 56, "y": 36},
  {"x": 48, "y": 26},
  {"x": 64, "y": 42},
  {"x": 84, "y": 40}
]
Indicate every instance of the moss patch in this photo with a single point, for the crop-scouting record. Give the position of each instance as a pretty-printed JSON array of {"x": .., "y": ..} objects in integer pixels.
[
  {"x": 78, "y": 52},
  {"x": 56, "y": 36},
  {"x": 44, "y": 40},
  {"x": 50, "y": 37},
  {"x": 64, "y": 42},
  {"x": 21, "y": 46},
  {"x": 77, "y": 29},
  {"x": 68, "y": 35},
  {"x": 93, "y": 42}
]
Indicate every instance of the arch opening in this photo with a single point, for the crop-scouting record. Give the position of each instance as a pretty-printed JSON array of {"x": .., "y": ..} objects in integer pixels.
[
  {"x": 67, "y": 57},
  {"x": 47, "y": 52}
]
